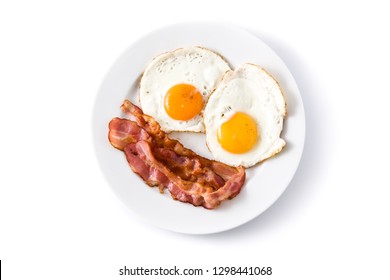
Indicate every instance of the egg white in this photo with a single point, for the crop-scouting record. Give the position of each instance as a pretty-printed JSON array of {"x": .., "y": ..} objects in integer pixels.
[
  {"x": 198, "y": 66},
  {"x": 249, "y": 89}
]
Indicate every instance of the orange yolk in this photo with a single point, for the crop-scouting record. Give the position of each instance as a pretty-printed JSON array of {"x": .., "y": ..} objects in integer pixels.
[
  {"x": 183, "y": 102},
  {"x": 239, "y": 134}
]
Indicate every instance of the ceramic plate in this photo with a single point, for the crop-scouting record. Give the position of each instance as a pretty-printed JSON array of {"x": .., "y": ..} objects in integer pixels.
[{"x": 265, "y": 182}]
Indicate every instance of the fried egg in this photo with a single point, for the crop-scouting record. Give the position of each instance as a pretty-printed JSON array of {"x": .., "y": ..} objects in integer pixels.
[
  {"x": 176, "y": 85},
  {"x": 244, "y": 117}
]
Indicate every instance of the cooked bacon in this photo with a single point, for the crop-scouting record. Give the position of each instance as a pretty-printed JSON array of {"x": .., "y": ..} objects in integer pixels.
[
  {"x": 166, "y": 163},
  {"x": 122, "y": 134}
]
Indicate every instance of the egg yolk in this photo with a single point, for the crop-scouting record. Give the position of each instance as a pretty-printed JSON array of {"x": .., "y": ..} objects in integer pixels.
[
  {"x": 239, "y": 134},
  {"x": 183, "y": 102}
]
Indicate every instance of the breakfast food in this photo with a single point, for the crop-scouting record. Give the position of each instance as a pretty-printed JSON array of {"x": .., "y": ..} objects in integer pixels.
[
  {"x": 176, "y": 85},
  {"x": 166, "y": 163},
  {"x": 193, "y": 89},
  {"x": 244, "y": 117}
]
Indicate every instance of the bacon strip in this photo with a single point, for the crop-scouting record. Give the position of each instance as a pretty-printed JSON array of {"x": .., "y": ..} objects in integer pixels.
[
  {"x": 166, "y": 163},
  {"x": 122, "y": 134}
]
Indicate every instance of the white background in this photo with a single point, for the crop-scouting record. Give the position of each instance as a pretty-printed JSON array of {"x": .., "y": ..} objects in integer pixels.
[{"x": 60, "y": 220}]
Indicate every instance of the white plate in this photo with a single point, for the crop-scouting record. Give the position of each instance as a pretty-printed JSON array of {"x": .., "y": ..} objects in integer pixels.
[{"x": 265, "y": 182}]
